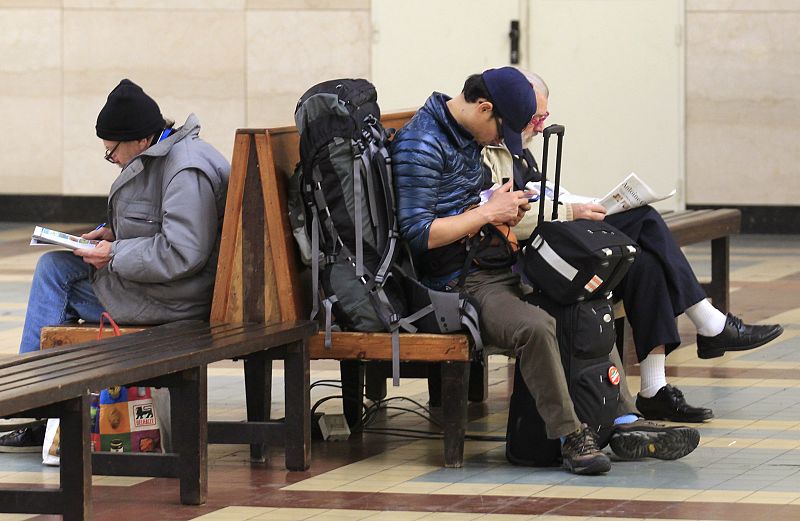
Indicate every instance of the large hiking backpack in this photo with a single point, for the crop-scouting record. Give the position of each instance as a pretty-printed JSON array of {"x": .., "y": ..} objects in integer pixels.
[{"x": 348, "y": 196}]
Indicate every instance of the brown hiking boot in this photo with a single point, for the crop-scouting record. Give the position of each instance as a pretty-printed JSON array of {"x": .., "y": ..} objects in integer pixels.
[
  {"x": 646, "y": 439},
  {"x": 580, "y": 454}
]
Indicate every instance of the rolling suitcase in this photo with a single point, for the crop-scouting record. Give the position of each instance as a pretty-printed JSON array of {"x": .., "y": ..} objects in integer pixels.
[
  {"x": 586, "y": 335},
  {"x": 571, "y": 261},
  {"x": 584, "y": 324}
]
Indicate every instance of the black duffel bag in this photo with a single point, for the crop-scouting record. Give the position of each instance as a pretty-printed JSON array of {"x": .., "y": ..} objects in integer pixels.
[{"x": 572, "y": 261}]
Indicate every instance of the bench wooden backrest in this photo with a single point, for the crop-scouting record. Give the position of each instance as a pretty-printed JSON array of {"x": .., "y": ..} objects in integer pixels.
[{"x": 256, "y": 216}]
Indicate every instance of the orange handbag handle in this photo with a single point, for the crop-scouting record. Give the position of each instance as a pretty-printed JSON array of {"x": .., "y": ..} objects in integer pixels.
[{"x": 104, "y": 315}]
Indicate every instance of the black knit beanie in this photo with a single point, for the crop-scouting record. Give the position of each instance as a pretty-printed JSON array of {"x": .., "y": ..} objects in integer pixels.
[{"x": 129, "y": 114}]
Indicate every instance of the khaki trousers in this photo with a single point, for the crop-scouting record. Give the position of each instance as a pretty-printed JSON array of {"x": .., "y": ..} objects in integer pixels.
[{"x": 528, "y": 333}]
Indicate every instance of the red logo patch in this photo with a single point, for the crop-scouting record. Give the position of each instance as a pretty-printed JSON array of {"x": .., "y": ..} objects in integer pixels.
[{"x": 613, "y": 375}]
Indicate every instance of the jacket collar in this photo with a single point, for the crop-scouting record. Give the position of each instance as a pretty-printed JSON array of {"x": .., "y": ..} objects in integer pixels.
[
  {"x": 190, "y": 127},
  {"x": 132, "y": 169},
  {"x": 437, "y": 106}
]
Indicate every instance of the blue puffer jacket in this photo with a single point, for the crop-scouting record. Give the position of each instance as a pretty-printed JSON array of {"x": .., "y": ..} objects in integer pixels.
[{"x": 437, "y": 171}]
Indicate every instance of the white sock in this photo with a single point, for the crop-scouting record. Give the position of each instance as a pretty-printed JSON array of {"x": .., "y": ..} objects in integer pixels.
[
  {"x": 653, "y": 374},
  {"x": 708, "y": 320}
]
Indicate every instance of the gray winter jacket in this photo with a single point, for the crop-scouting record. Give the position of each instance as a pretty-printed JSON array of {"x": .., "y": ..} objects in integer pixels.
[{"x": 166, "y": 210}]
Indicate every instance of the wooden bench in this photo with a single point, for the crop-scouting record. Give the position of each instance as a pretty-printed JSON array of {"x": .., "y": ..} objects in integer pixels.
[{"x": 56, "y": 384}]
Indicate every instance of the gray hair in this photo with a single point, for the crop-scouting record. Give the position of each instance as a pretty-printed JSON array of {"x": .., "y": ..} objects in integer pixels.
[{"x": 538, "y": 83}]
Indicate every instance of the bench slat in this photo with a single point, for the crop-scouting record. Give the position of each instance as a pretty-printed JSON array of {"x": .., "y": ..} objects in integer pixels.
[
  {"x": 418, "y": 347},
  {"x": 57, "y": 336},
  {"x": 703, "y": 225}
]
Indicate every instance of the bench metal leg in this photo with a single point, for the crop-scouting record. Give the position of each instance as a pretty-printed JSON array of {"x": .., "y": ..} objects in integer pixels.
[
  {"x": 76, "y": 463},
  {"x": 73, "y": 499},
  {"x": 258, "y": 392},
  {"x": 352, "y": 372},
  {"x": 189, "y": 410},
  {"x": 479, "y": 380},
  {"x": 719, "y": 289},
  {"x": 435, "y": 384},
  {"x": 298, "y": 407},
  {"x": 455, "y": 385},
  {"x": 375, "y": 381}
]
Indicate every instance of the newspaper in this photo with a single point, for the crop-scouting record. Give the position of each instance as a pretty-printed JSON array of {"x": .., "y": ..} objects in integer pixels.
[
  {"x": 46, "y": 237},
  {"x": 632, "y": 192}
]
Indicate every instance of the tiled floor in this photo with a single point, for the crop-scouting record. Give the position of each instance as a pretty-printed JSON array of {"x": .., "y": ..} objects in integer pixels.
[{"x": 746, "y": 468}]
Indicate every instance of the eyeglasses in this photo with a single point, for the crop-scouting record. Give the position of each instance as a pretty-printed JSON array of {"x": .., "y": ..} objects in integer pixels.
[
  {"x": 539, "y": 118},
  {"x": 109, "y": 153}
]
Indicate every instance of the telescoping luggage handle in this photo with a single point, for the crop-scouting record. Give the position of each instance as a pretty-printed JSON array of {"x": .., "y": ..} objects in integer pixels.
[{"x": 558, "y": 130}]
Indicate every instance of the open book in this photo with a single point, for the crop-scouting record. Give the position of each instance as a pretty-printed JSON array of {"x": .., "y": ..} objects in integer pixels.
[
  {"x": 632, "y": 192},
  {"x": 45, "y": 236}
]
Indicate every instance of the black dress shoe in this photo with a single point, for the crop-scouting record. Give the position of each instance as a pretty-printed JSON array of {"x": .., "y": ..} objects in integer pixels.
[
  {"x": 26, "y": 439},
  {"x": 669, "y": 404},
  {"x": 737, "y": 336}
]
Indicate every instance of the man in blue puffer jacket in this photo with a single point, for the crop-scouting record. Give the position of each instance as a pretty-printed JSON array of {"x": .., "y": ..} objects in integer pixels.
[{"x": 439, "y": 177}]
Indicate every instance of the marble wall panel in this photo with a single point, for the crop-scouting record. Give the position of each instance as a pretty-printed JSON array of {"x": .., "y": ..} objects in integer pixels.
[
  {"x": 169, "y": 5},
  {"x": 295, "y": 5},
  {"x": 187, "y": 60},
  {"x": 741, "y": 5},
  {"x": 30, "y": 101},
  {"x": 743, "y": 105},
  {"x": 29, "y": 4},
  {"x": 289, "y": 51}
]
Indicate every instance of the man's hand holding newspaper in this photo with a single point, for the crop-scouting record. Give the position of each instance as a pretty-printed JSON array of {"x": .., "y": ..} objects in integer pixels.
[{"x": 632, "y": 192}]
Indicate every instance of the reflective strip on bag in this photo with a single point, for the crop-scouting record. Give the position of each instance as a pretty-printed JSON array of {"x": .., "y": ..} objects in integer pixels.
[{"x": 552, "y": 258}]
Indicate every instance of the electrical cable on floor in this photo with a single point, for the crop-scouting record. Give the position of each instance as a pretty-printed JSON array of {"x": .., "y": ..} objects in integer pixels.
[{"x": 371, "y": 410}]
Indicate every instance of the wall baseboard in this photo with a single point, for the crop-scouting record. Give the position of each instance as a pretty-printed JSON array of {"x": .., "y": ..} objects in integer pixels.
[
  {"x": 764, "y": 219},
  {"x": 53, "y": 208}
]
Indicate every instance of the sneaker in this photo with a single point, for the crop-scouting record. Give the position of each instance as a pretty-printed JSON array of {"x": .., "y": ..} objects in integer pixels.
[
  {"x": 736, "y": 336},
  {"x": 581, "y": 455},
  {"x": 27, "y": 439},
  {"x": 647, "y": 439},
  {"x": 669, "y": 404}
]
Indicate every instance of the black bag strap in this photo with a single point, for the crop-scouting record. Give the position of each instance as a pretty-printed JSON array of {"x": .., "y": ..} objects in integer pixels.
[{"x": 546, "y": 133}]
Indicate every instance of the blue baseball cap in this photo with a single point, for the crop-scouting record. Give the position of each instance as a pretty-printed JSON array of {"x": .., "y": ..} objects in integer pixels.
[{"x": 513, "y": 98}]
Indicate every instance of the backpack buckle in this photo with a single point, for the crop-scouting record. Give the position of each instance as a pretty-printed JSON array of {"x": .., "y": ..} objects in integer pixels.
[{"x": 370, "y": 119}]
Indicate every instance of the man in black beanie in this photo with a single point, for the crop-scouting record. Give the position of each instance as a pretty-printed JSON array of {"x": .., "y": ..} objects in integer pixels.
[{"x": 156, "y": 255}]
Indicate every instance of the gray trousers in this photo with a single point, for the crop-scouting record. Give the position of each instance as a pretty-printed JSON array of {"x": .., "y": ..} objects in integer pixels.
[{"x": 528, "y": 333}]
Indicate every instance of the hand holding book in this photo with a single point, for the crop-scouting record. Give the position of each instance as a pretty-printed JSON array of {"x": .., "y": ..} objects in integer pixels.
[{"x": 45, "y": 236}]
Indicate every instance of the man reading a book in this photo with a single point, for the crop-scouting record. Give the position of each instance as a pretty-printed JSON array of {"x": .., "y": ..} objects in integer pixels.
[
  {"x": 659, "y": 286},
  {"x": 156, "y": 258}
]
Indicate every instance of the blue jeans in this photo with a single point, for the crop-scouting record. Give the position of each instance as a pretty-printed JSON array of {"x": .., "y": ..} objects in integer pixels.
[{"x": 61, "y": 292}]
